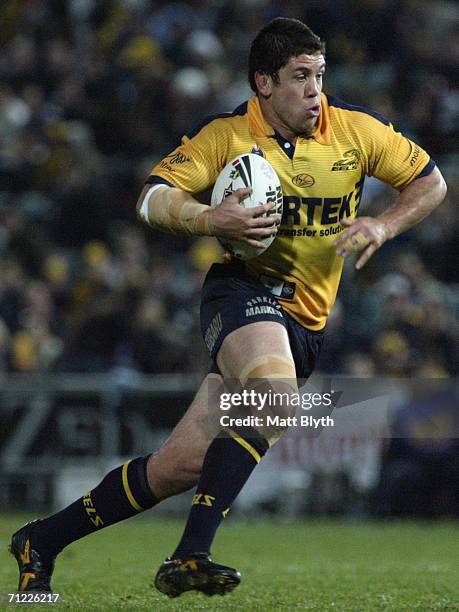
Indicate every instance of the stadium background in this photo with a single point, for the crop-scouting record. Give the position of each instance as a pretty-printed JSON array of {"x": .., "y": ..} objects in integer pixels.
[{"x": 100, "y": 348}]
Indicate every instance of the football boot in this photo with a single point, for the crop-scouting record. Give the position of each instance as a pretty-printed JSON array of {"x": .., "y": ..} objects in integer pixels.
[{"x": 195, "y": 572}]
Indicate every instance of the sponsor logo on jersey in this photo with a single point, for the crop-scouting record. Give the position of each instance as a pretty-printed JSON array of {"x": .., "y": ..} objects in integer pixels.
[
  {"x": 174, "y": 159},
  {"x": 350, "y": 162},
  {"x": 302, "y": 215},
  {"x": 415, "y": 155},
  {"x": 178, "y": 158},
  {"x": 303, "y": 180}
]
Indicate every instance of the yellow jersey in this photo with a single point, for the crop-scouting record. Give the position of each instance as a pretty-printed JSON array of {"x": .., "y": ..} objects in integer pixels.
[{"x": 322, "y": 179}]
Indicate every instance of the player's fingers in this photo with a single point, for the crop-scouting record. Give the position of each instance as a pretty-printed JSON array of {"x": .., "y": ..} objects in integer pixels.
[
  {"x": 352, "y": 242},
  {"x": 368, "y": 252},
  {"x": 344, "y": 236},
  {"x": 261, "y": 232},
  {"x": 348, "y": 222},
  {"x": 262, "y": 209},
  {"x": 265, "y": 221},
  {"x": 254, "y": 243},
  {"x": 242, "y": 193},
  {"x": 341, "y": 244},
  {"x": 359, "y": 241}
]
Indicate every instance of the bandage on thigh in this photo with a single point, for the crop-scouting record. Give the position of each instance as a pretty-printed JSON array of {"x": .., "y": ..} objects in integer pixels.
[{"x": 269, "y": 367}]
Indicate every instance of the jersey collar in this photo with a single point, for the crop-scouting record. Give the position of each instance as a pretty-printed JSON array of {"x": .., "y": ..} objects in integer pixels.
[{"x": 260, "y": 127}]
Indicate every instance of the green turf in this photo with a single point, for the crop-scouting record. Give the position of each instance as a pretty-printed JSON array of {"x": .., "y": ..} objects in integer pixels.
[{"x": 322, "y": 566}]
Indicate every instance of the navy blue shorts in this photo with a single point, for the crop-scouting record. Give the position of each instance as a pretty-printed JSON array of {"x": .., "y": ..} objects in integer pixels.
[{"x": 231, "y": 299}]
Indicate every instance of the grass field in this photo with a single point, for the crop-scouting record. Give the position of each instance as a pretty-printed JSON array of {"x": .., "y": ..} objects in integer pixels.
[{"x": 322, "y": 566}]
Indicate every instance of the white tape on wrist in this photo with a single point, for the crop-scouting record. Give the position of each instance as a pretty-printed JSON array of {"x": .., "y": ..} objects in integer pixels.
[{"x": 143, "y": 212}]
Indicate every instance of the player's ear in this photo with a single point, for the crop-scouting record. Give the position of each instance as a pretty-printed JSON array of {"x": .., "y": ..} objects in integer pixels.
[{"x": 264, "y": 83}]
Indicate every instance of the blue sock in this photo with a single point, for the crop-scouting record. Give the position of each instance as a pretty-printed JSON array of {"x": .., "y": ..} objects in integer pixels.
[
  {"x": 229, "y": 461},
  {"x": 124, "y": 492}
]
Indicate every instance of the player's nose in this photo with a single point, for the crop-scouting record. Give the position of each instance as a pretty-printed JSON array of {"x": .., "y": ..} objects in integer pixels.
[{"x": 312, "y": 88}]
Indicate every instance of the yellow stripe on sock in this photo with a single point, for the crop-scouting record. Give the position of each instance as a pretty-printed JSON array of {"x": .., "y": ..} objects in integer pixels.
[
  {"x": 245, "y": 444},
  {"x": 127, "y": 488}
]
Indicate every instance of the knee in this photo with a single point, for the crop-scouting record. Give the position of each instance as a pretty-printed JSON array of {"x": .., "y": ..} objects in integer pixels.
[
  {"x": 279, "y": 408},
  {"x": 279, "y": 398},
  {"x": 272, "y": 377}
]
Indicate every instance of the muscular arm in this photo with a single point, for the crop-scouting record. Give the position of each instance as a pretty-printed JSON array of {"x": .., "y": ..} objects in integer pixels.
[
  {"x": 414, "y": 203},
  {"x": 176, "y": 211}
]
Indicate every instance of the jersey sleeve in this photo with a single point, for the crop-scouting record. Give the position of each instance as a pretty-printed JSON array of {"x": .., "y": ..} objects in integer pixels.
[
  {"x": 196, "y": 163},
  {"x": 395, "y": 159}
]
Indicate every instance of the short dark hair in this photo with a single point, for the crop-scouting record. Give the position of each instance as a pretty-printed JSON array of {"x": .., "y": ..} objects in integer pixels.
[{"x": 281, "y": 39}]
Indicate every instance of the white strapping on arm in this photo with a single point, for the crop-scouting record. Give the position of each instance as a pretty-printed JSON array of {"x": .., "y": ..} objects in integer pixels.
[
  {"x": 175, "y": 211},
  {"x": 143, "y": 212}
]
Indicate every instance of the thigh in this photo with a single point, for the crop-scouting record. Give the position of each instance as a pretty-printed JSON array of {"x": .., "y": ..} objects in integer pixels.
[
  {"x": 259, "y": 350},
  {"x": 258, "y": 358}
]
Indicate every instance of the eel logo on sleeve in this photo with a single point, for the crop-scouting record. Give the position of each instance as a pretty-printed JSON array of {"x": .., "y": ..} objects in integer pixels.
[{"x": 350, "y": 162}]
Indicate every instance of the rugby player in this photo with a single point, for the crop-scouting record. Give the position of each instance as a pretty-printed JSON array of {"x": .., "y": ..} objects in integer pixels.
[{"x": 321, "y": 148}]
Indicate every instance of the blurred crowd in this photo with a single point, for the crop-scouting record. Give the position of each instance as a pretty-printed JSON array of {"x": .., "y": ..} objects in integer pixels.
[{"x": 93, "y": 93}]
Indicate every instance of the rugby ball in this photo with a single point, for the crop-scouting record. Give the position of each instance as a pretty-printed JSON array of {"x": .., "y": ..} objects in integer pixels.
[{"x": 248, "y": 170}]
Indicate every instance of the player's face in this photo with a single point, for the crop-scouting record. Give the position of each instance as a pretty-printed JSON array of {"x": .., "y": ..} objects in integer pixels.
[{"x": 295, "y": 99}]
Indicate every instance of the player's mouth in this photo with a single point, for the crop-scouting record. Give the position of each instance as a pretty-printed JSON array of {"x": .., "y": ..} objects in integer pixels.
[{"x": 314, "y": 111}]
